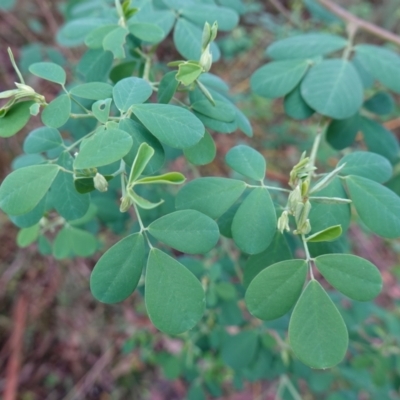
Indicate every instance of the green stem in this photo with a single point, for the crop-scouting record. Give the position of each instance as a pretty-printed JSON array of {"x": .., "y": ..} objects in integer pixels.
[
  {"x": 143, "y": 229},
  {"x": 308, "y": 256}
]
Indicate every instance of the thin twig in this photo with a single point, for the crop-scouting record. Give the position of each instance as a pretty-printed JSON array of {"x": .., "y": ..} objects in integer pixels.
[
  {"x": 360, "y": 23},
  {"x": 286, "y": 13}
]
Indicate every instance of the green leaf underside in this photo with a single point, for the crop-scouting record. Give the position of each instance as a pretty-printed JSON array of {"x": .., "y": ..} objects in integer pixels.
[
  {"x": 254, "y": 224},
  {"x": 104, "y": 147},
  {"x": 333, "y": 88},
  {"x": 327, "y": 235},
  {"x": 368, "y": 165},
  {"x": 49, "y": 71},
  {"x": 379, "y": 139},
  {"x": 22, "y": 190},
  {"x": 211, "y": 196},
  {"x": 278, "y": 78},
  {"x": 15, "y": 119},
  {"x": 317, "y": 332},
  {"x": 130, "y": 91},
  {"x": 306, "y": 45},
  {"x": 354, "y": 276},
  {"x": 295, "y": 106},
  {"x": 277, "y": 251},
  {"x": 93, "y": 90},
  {"x": 117, "y": 273},
  {"x": 41, "y": 140},
  {"x": 143, "y": 156},
  {"x": 275, "y": 290},
  {"x": 56, "y": 114},
  {"x": 172, "y": 178},
  {"x": 383, "y": 64},
  {"x": 174, "y": 297},
  {"x": 377, "y": 206},
  {"x": 203, "y": 152},
  {"x": 172, "y": 125},
  {"x": 342, "y": 133},
  {"x": 188, "y": 231},
  {"x": 247, "y": 161},
  {"x": 188, "y": 72}
]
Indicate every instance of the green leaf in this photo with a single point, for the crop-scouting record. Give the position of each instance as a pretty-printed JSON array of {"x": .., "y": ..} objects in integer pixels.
[
  {"x": 15, "y": 119},
  {"x": 211, "y": 196},
  {"x": 383, "y": 64},
  {"x": 117, "y": 273},
  {"x": 277, "y": 251},
  {"x": 93, "y": 90},
  {"x": 95, "y": 65},
  {"x": 149, "y": 33},
  {"x": 354, "y": 276},
  {"x": 366, "y": 78},
  {"x": 187, "y": 40},
  {"x": 327, "y": 235},
  {"x": 172, "y": 125},
  {"x": 94, "y": 40},
  {"x": 56, "y": 113},
  {"x": 49, "y": 71},
  {"x": 216, "y": 125},
  {"x": 323, "y": 215},
  {"x": 71, "y": 242},
  {"x": 295, "y": 106},
  {"x": 73, "y": 32},
  {"x": 174, "y": 297},
  {"x": 188, "y": 231},
  {"x": 143, "y": 203},
  {"x": 203, "y": 152},
  {"x": 30, "y": 218},
  {"x": 130, "y": 91},
  {"x": 333, "y": 88},
  {"x": 254, "y": 224},
  {"x": 123, "y": 70},
  {"x": 104, "y": 147},
  {"x": 238, "y": 351},
  {"x": 64, "y": 197},
  {"x": 369, "y": 165},
  {"x": 170, "y": 178},
  {"x": 278, "y": 78},
  {"x": 275, "y": 290},
  {"x": 22, "y": 190},
  {"x": 226, "y": 18},
  {"x": 381, "y": 103},
  {"x": 380, "y": 140},
  {"x": 377, "y": 206},
  {"x": 115, "y": 40},
  {"x": 243, "y": 123},
  {"x": 101, "y": 110},
  {"x": 41, "y": 140},
  {"x": 140, "y": 134},
  {"x": 221, "y": 111},
  {"x": 167, "y": 88},
  {"x": 317, "y": 332},
  {"x": 27, "y": 236},
  {"x": 188, "y": 72},
  {"x": 342, "y": 133},
  {"x": 247, "y": 161},
  {"x": 143, "y": 156},
  {"x": 306, "y": 46}
]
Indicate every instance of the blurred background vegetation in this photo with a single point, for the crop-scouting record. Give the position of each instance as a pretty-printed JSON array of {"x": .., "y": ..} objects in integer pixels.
[{"x": 59, "y": 343}]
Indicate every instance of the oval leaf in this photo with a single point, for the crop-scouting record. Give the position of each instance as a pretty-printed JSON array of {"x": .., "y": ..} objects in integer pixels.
[
  {"x": 211, "y": 196},
  {"x": 41, "y": 140},
  {"x": 377, "y": 206},
  {"x": 93, "y": 90},
  {"x": 247, "y": 161},
  {"x": 327, "y": 235},
  {"x": 203, "y": 152},
  {"x": 22, "y": 190},
  {"x": 275, "y": 290},
  {"x": 117, "y": 273},
  {"x": 130, "y": 91},
  {"x": 174, "y": 297},
  {"x": 57, "y": 113},
  {"x": 369, "y": 165},
  {"x": 49, "y": 71},
  {"x": 172, "y": 125},
  {"x": 333, "y": 88},
  {"x": 295, "y": 106},
  {"x": 104, "y": 147},
  {"x": 317, "y": 332},
  {"x": 354, "y": 276},
  {"x": 254, "y": 224},
  {"x": 342, "y": 133},
  {"x": 188, "y": 231},
  {"x": 15, "y": 119}
]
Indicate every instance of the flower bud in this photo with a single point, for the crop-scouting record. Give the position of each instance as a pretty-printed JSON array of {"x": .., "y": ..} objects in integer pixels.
[
  {"x": 100, "y": 183},
  {"x": 283, "y": 222},
  {"x": 126, "y": 202},
  {"x": 206, "y": 59}
]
